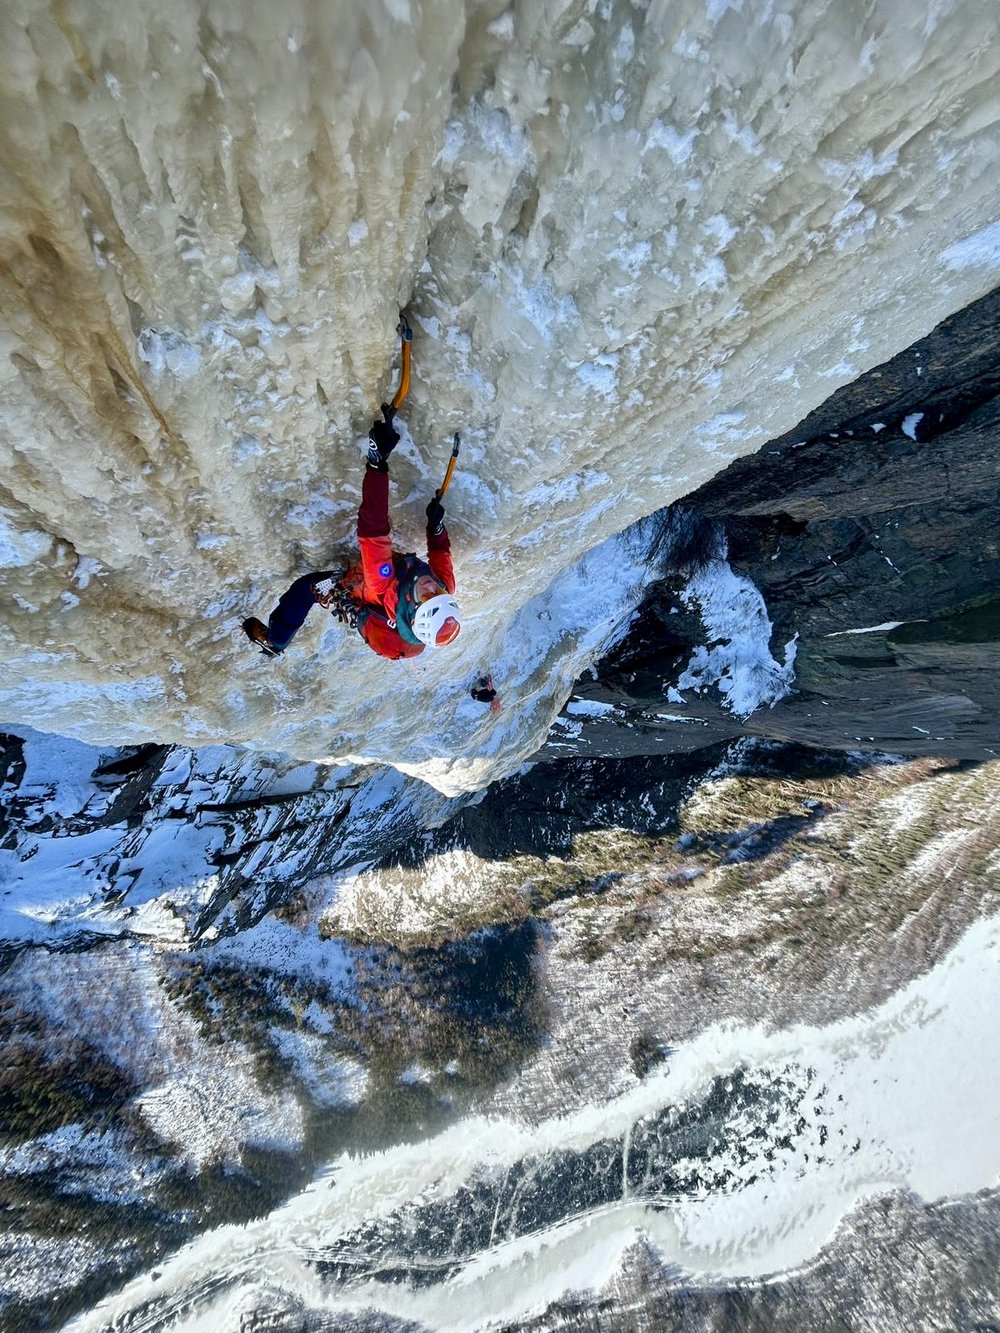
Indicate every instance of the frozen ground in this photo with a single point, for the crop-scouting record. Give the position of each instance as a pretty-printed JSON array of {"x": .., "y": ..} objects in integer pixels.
[
  {"x": 703, "y": 1029},
  {"x": 803, "y": 1125}
]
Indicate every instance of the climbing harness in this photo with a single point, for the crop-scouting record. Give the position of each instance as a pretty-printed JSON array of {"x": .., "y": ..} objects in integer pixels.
[
  {"x": 334, "y": 596},
  {"x": 344, "y": 607},
  {"x": 451, "y": 467}
]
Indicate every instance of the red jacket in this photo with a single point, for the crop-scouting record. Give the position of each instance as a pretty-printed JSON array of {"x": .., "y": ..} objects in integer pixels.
[{"x": 380, "y": 588}]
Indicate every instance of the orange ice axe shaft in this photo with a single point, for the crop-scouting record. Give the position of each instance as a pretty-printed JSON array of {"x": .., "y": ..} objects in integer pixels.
[
  {"x": 451, "y": 467},
  {"x": 406, "y": 339}
]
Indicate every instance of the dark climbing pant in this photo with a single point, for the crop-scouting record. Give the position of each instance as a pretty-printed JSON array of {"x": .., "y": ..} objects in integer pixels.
[{"x": 289, "y": 615}]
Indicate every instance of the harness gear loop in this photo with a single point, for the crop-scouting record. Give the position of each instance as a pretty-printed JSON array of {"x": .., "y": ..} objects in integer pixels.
[{"x": 344, "y": 607}]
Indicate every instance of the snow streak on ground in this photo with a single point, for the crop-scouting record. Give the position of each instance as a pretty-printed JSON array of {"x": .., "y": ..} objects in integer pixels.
[
  {"x": 738, "y": 1160},
  {"x": 737, "y": 658},
  {"x": 205, "y": 1107}
]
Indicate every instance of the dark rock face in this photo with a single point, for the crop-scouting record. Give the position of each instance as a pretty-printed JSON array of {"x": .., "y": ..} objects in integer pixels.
[{"x": 880, "y": 507}]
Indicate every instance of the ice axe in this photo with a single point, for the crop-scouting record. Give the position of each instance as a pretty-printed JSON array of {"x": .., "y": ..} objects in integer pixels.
[
  {"x": 406, "y": 338},
  {"x": 451, "y": 468}
]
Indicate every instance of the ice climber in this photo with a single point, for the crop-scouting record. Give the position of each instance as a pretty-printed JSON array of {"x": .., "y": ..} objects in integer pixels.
[{"x": 400, "y": 604}]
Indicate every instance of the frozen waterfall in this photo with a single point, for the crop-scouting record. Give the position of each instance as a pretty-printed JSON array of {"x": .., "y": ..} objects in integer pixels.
[{"x": 636, "y": 240}]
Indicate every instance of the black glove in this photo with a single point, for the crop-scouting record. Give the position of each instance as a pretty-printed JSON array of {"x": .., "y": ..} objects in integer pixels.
[
  {"x": 382, "y": 440},
  {"x": 435, "y": 517}
]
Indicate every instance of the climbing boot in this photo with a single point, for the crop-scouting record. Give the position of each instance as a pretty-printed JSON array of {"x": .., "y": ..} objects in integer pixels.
[{"x": 256, "y": 632}]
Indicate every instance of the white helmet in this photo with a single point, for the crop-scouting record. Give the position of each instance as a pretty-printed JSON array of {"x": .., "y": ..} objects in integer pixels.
[{"x": 437, "y": 621}]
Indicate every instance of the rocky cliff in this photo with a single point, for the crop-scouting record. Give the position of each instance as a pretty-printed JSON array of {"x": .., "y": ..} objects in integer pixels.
[
  {"x": 221, "y": 972},
  {"x": 872, "y": 533}
]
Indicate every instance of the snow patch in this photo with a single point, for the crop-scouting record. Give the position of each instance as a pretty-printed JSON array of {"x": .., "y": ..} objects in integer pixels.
[
  {"x": 399, "y": 10},
  {"x": 166, "y": 350},
  {"x": 710, "y": 275},
  {"x": 737, "y": 659},
  {"x": 980, "y": 250},
  {"x": 502, "y": 27},
  {"x": 207, "y": 1116},
  {"x": 599, "y": 376},
  {"x": 21, "y": 547},
  {"x": 868, "y": 629},
  {"x": 678, "y": 145},
  {"x": 589, "y": 708},
  {"x": 720, "y": 229},
  {"x": 331, "y": 1079}
]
